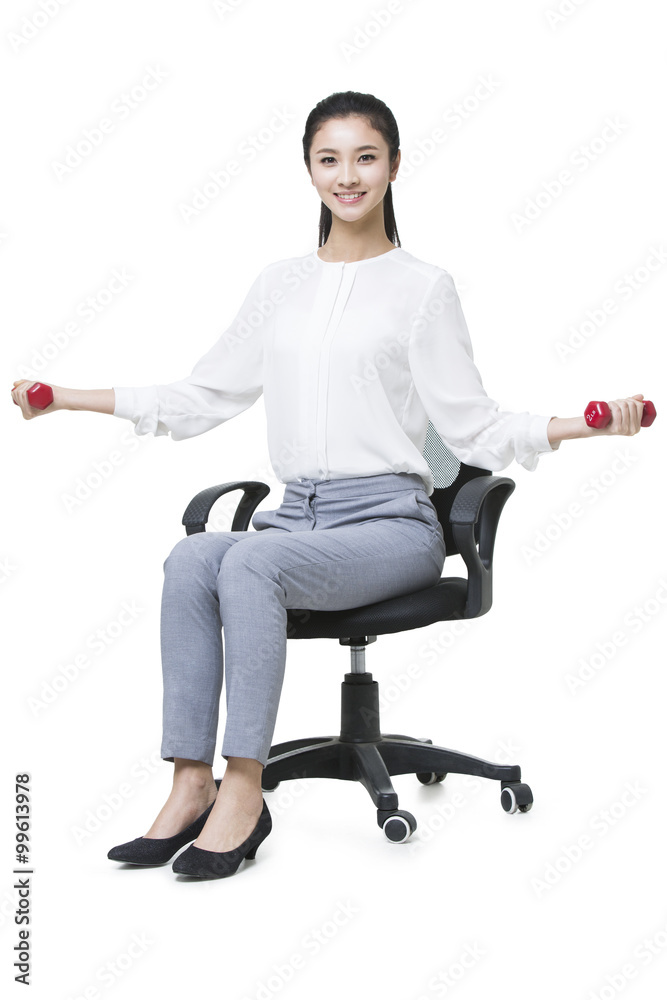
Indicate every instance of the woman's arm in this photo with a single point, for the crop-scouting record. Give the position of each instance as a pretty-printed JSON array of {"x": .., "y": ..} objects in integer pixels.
[
  {"x": 224, "y": 382},
  {"x": 626, "y": 417},
  {"x": 469, "y": 422},
  {"x": 96, "y": 400}
]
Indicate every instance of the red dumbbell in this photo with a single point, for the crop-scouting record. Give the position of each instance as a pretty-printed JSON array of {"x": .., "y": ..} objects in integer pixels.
[
  {"x": 39, "y": 395},
  {"x": 598, "y": 414}
]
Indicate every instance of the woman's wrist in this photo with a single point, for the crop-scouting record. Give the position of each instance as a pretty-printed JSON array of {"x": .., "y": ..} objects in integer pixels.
[{"x": 567, "y": 429}]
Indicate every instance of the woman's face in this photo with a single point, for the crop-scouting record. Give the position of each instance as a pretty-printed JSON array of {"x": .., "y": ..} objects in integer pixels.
[{"x": 348, "y": 157}]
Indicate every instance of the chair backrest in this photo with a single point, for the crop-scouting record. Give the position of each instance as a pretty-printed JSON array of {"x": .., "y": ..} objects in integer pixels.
[{"x": 449, "y": 475}]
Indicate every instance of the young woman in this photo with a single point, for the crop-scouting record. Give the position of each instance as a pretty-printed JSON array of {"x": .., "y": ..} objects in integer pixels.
[{"x": 355, "y": 345}]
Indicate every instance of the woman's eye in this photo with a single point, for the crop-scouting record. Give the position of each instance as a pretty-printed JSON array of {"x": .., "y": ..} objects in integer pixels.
[{"x": 369, "y": 155}]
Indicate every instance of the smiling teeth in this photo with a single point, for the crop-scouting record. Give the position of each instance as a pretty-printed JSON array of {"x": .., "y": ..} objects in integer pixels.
[{"x": 350, "y": 197}]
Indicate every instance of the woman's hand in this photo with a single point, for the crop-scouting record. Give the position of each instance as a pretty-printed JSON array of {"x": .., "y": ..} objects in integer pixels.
[
  {"x": 626, "y": 416},
  {"x": 95, "y": 400},
  {"x": 20, "y": 396}
]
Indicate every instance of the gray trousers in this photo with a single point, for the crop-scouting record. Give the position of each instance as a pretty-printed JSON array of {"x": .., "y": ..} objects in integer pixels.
[{"x": 331, "y": 544}]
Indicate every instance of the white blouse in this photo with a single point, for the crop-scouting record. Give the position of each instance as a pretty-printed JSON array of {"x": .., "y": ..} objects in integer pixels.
[{"x": 353, "y": 360}]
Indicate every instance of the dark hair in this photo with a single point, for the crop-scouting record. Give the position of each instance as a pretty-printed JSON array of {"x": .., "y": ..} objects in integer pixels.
[{"x": 342, "y": 104}]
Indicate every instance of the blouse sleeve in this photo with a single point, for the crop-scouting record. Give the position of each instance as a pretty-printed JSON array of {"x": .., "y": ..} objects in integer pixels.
[
  {"x": 224, "y": 382},
  {"x": 470, "y": 423}
]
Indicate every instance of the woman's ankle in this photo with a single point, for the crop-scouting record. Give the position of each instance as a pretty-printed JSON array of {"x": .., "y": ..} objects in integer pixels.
[
  {"x": 192, "y": 773},
  {"x": 245, "y": 770}
]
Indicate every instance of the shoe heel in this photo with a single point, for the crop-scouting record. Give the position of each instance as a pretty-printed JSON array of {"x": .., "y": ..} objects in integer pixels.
[{"x": 252, "y": 852}]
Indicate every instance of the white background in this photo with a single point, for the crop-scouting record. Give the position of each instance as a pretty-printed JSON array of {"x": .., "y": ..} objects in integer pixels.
[{"x": 478, "y": 900}]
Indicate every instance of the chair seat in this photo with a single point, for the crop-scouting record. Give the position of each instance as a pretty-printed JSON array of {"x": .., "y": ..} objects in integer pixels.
[{"x": 444, "y": 601}]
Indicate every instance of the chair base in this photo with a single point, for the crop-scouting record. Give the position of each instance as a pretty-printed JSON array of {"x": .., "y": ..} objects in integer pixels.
[{"x": 362, "y": 753}]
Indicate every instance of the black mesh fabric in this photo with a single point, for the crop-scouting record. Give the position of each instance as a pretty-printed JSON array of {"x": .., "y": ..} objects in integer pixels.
[
  {"x": 449, "y": 475},
  {"x": 444, "y": 467}
]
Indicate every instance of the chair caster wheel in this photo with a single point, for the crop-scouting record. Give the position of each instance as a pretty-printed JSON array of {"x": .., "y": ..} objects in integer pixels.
[
  {"x": 430, "y": 777},
  {"x": 398, "y": 826},
  {"x": 516, "y": 796},
  {"x": 268, "y": 785}
]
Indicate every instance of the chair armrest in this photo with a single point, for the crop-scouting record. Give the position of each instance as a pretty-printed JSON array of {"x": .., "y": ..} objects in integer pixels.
[
  {"x": 197, "y": 511},
  {"x": 480, "y": 499}
]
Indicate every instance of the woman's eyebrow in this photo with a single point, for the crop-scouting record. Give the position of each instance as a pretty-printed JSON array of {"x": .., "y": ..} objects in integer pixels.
[{"x": 357, "y": 150}]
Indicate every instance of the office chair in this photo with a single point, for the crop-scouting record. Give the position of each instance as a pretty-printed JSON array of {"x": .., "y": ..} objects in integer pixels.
[{"x": 468, "y": 502}]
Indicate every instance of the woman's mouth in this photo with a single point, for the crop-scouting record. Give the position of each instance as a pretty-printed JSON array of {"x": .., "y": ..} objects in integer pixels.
[{"x": 347, "y": 199}]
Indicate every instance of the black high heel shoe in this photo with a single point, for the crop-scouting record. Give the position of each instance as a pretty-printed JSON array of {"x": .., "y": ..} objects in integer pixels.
[
  {"x": 157, "y": 851},
  {"x": 221, "y": 864}
]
